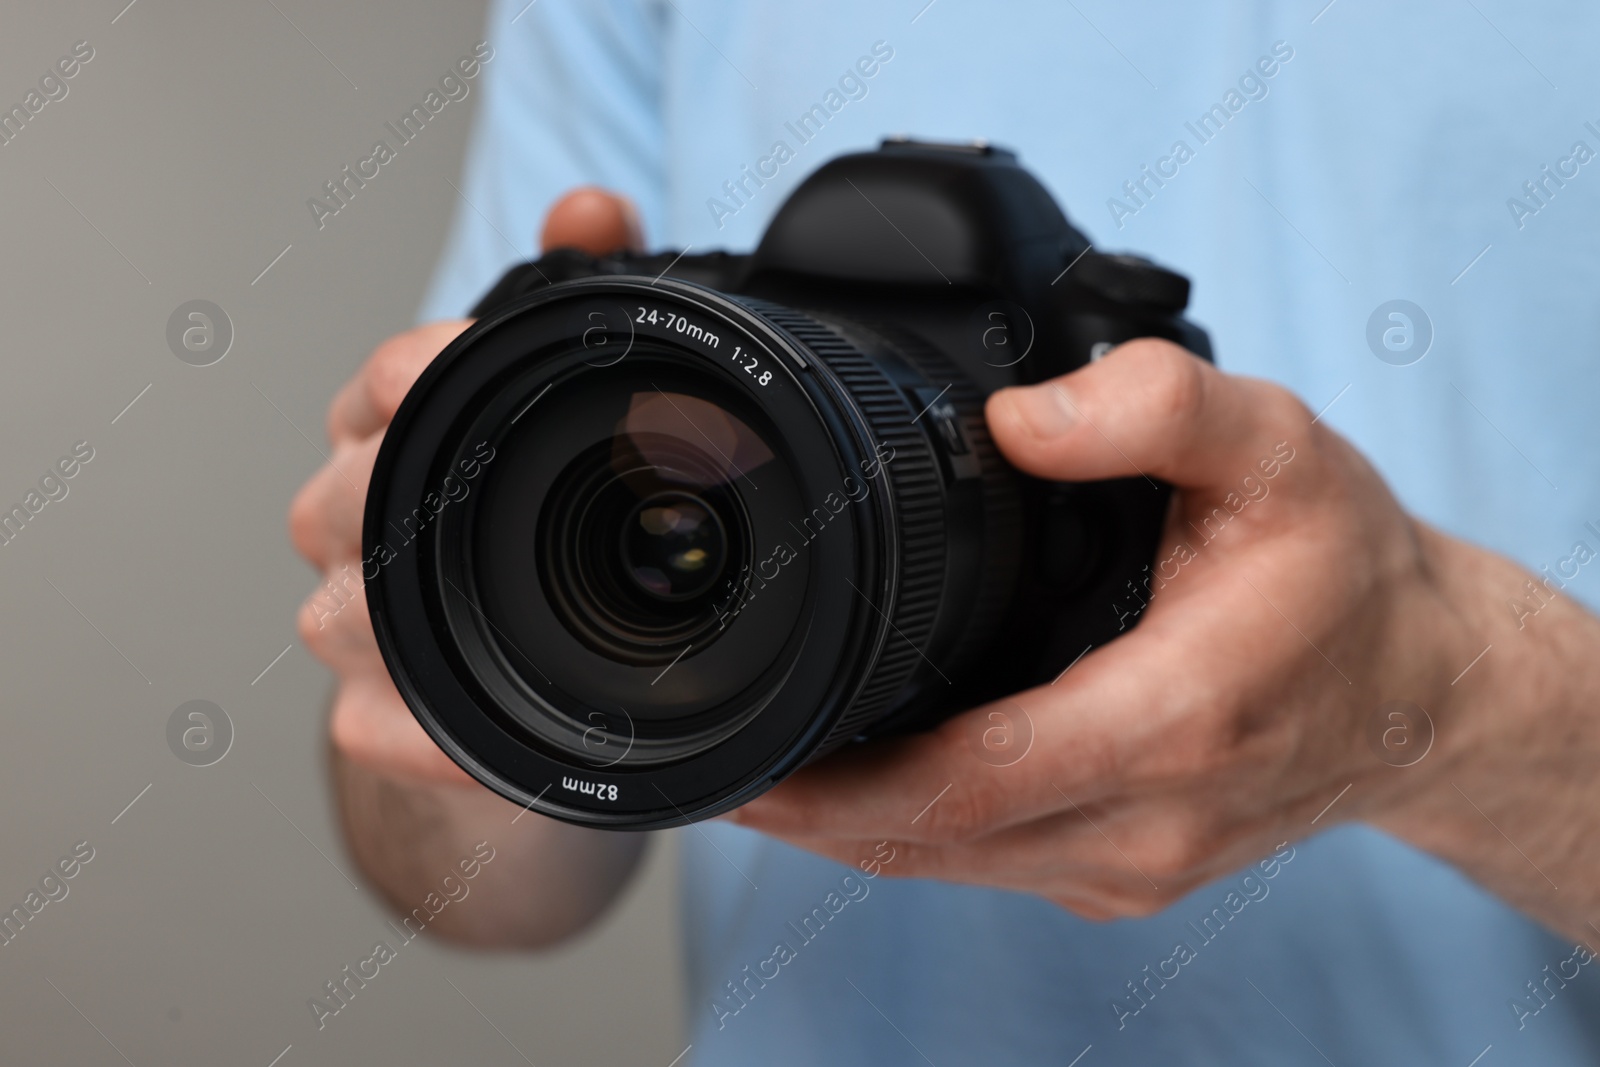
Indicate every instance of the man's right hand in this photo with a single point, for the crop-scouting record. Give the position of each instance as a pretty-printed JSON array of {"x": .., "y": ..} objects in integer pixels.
[
  {"x": 371, "y": 724},
  {"x": 409, "y": 814}
]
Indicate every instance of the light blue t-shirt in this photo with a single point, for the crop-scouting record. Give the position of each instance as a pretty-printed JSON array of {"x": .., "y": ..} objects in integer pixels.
[{"x": 1304, "y": 165}]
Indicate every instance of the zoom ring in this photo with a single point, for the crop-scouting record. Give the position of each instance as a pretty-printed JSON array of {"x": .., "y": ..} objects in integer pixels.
[
  {"x": 1002, "y": 555},
  {"x": 916, "y": 490}
]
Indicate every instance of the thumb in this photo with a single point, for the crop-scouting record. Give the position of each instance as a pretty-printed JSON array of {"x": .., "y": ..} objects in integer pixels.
[
  {"x": 595, "y": 221},
  {"x": 1148, "y": 408}
]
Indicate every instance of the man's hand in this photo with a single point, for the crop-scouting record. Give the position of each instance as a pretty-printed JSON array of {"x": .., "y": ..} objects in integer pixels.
[
  {"x": 410, "y": 814},
  {"x": 371, "y": 724},
  {"x": 1292, "y": 596}
]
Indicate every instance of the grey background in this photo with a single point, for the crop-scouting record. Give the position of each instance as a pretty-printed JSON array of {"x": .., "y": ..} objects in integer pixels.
[{"x": 190, "y": 143}]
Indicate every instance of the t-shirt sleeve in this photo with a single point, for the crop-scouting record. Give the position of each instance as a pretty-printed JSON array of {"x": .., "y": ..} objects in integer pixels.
[{"x": 571, "y": 96}]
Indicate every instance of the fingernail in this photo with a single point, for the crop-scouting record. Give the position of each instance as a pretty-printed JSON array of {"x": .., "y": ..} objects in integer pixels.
[{"x": 1044, "y": 408}]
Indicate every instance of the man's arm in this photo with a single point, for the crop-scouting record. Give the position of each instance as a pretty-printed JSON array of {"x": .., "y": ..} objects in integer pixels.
[{"x": 1513, "y": 799}]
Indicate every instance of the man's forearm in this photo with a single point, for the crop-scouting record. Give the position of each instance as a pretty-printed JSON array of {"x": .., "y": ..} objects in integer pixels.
[
  {"x": 547, "y": 880},
  {"x": 1513, "y": 798}
]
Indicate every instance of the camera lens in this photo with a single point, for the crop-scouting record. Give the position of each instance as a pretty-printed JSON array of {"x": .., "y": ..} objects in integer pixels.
[
  {"x": 673, "y": 546},
  {"x": 641, "y": 549}
]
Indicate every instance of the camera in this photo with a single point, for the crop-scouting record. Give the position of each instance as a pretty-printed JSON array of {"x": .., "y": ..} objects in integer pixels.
[{"x": 659, "y": 529}]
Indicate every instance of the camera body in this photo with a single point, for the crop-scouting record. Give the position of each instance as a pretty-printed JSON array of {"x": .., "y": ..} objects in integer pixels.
[{"x": 847, "y": 359}]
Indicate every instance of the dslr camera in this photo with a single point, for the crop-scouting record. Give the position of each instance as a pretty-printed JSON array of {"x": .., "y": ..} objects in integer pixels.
[{"x": 657, "y": 530}]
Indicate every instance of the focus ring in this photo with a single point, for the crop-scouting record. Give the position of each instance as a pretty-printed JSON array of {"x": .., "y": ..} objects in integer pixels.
[{"x": 915, "y": 487}]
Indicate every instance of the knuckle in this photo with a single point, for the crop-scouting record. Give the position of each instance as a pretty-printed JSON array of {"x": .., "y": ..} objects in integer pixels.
[
  {"x": 325, "y": 516},
  {"x": 1167, "y": 862},
  {"x": 1149, "y": 348},
  {"x": 1143, "y": 904},
  {"x": 966, "y": 811},
  {"x": 1101, "y": 901},
  {"x": 1169, "y": 853},
  {"x": 349, "y": 472},
  {"x": 911, "y": 860},
  {"x": 341, "y": 421},
  {"x": 395, "y": 365},
  {"x": 371, "y": 725},
  {"x": 392, "y": 369},
  {"x": 349, "y": 727},
  {"x": 1083, "y": 909},
  {"x": 1283, "y": 413},
  {"x": 1174, "y": 379},
  {"x": 306, "y": 522},
  {"x": 312, "y": 628},
  {"x": 333, "y": 622}
]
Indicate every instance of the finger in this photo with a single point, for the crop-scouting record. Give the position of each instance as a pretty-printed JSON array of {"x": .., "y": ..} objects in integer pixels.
[
  {"x": 1151, "y": 408},
  {"x": 368, "y": 401},
  {"x": 595, "y": 221},
  {"x": 326, "y": 515},
  {"x": 862, "y": 856},
  {"x": 335, "y": 627},
  {"x": 1121, "y": 723},
  {"x": 1091, "y": 892},
  {"x": 925, "y": 787},
  {"x": 1127, "y": 858},
  {"x": 881, "y": 789},
  {"x": 372, "y": 726},
  {"x": 371, "y": 723}
]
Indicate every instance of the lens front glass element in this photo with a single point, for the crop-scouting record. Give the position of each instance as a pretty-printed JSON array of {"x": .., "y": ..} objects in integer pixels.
[
  {"x": 639, "y": 536},
  {"x": 673, "y": 545},
  {"x": 633, "y": 561}
]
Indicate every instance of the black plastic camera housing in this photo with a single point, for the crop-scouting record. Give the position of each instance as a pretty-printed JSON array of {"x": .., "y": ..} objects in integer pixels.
[{"x": 657, "y": 530}]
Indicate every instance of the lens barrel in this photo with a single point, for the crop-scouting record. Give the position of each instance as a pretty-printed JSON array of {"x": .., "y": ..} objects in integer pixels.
[{"x": 636, "y": 550}]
